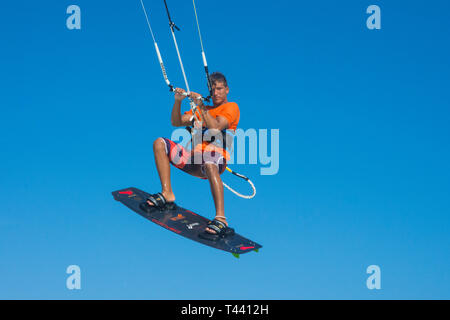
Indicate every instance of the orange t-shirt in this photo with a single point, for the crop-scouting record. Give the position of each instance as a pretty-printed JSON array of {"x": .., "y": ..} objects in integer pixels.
[{"x": 229, "y": 111}]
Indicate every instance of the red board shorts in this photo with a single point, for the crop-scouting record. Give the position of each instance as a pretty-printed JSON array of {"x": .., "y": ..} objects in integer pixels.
[{"x": 192, "y": 162}]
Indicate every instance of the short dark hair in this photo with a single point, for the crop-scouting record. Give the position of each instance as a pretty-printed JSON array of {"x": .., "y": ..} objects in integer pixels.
[{"x": 218, "y": 77}]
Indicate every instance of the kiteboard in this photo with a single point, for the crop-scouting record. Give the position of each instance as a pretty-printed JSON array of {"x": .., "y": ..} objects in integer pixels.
[{"x": 184, "y": 223}]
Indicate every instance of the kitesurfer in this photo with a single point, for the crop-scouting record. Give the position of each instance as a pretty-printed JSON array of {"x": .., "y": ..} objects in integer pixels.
[{"x": 206, "y": 160}]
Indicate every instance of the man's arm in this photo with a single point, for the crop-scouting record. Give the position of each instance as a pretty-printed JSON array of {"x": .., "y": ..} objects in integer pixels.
[
  {"x": 177, "y": 119},
  {"x": 219, "y": 123}
]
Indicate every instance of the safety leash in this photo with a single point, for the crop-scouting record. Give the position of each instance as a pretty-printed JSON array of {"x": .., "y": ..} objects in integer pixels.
[{"x": 246, "y": 179}]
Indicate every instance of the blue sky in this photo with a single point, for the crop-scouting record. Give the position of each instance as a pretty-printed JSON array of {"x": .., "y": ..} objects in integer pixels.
[{"x": 363, "y": 178}]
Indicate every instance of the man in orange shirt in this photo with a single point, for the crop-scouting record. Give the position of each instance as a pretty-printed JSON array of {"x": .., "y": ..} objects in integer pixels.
[{"x": 221, "y": 116}]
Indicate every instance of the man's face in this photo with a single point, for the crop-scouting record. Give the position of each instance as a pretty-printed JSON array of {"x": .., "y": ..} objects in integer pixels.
[{"x": 219, "y": 93}]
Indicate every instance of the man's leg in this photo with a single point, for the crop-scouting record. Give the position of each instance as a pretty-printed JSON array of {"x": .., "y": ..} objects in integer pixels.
[
  {"x": 215, "y": 182},
  {"x": 163, "y": 166}
]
